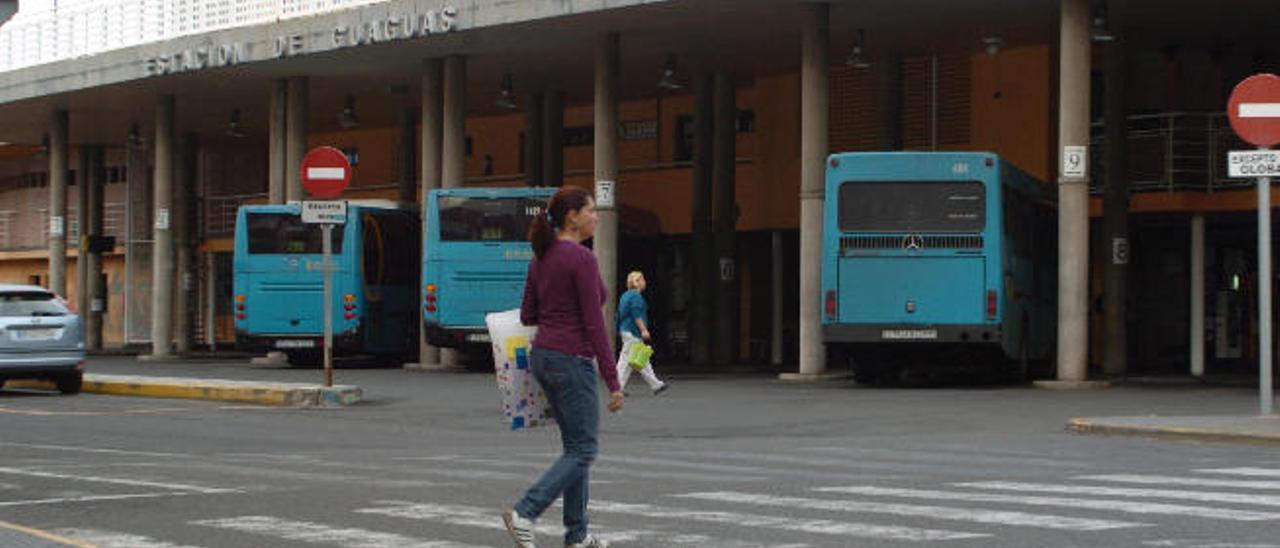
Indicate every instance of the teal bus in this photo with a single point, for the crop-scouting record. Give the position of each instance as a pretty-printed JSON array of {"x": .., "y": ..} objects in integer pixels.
[
  {"x": 475, "y": 256},
  {"x": 937, "y": 258},
  {"x": 278, "y": 284}
]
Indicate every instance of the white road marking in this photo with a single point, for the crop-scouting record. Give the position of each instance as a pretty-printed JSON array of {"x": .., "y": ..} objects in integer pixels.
[
  {"x": 116, "y": 481},
  {"x": 607, "y": 471},
  {"x": 1093, "y": 504},
  {"x": 1198, "y": 496},
  {"x": 112, "y": 539},
  {"x": 90, "y": 498},
  {"x": 316, "y": 533},
  {"x": 95, "y": 450},
  {"x": 803, "y": 525},
  {"x": 1245, "y": 471},
  {"x": 1191, "y": 543},
  {"x": 997, "y": 517},
  {"x": 1175, "y": 480}
]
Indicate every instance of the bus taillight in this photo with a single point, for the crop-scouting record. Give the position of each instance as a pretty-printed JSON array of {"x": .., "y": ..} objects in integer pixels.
[
  {"x": 430, "y": 298},
  {"x": 991, "y": 304},
  {"x": 831, "y": 305},
  {"x": 349, "y": 306},
  {"x": 240, "y": 308}
]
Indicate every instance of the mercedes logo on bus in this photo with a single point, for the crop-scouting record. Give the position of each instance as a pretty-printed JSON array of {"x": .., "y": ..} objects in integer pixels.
[{"x": 913, "y": 241}]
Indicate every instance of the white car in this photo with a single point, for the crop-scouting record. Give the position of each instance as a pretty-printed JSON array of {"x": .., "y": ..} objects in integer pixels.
[{"x": 40, "y": 338}]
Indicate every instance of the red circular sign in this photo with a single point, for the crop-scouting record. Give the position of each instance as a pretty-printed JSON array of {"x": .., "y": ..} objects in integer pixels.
[
  {"x": 1254, "y": 109},
  {"x": 325, "y": 172}
]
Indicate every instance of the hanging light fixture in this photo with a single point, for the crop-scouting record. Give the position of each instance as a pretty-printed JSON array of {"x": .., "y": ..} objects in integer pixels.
[
  {"x": 993, "y": 44},
  {"x": 668, "y": 79},
  {"x": 348, "y": 119},
  {"x": 856, "y": 58},
  {"x": 1100, "y": 30},
  {"x": 135, "y": 140},
  {"x": 233, "y": 124},
  {"x": 506, "y": 97}
]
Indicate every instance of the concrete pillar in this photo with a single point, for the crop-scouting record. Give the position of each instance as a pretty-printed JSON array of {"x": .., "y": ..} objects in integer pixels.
[
  {"x": 406, "y": 186},
  {"x": 296, "y": 136},
  {"x": 1115, "y": 217},
  {"x": 211, "y": 301},
  {"x": 184, "y": 207},
  {"x": 553, "y": 138},
  {"x": 889, "y": 93},
  {"x": 162, "y": 232},
  {"x": 1073, "y": 194},
  {"x": 277, "y": 141},
  {"x": 606, "y": 170},
  {"x": 703, "y": 258},
  {"x": 814, "y": 148},
  {"x": 84, "y": 156},
  {"x": 430, "y": 141},
  {"x": 453, "y": 148},
  {"x": 724, "y": 195},
  {"x": 775, "y": 290},
  {"x": 58, "y": 152},
  {"x": 533, "y": 122},
  {"x": 91, "y": 225},
  {"x": 1197, "y": 294}
]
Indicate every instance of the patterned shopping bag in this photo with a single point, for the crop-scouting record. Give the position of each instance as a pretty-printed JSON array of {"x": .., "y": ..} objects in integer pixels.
[{"x": 524, "y": 404}]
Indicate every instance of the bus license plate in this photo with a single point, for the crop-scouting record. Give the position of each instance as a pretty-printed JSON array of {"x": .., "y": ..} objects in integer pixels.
[
  {"x": 909, "y": 334},
  {"x": 295, "y": 343},
  {"x": 478, "y": 338}
]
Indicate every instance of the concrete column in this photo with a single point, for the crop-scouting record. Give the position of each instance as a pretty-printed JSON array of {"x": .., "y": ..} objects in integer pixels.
[
  {"x": 58, "y": 152},
  {"x": 210, "y": 301},
  {"x": 162, "y": 233},
  {"x": 814, "y": 148},
  {"x": 430, "y": 141},
  {"x": 1197, "y": 294},
  {"x": 91, "y": 224},
  {"x": 724, "y": 195},
  {"x": 1115, "y": 217},
  {"x": 889, "y": 93},
  {"x": 277, "y": 141},
  {"x": 775, "y": 321},
  {"x": 1073, "y": 194},
  {"x": 84, "y": 156},
  {"x": 184, "y": 206},
  {"x": 606, "y": 169},
  {"x": 406, "y": 187},
  {"x": 553, "y": 138},
  {"x": 703, "y": 269},
  {"x": 533, "y": 122},
  {"x": 453, "y": 149},
  {"x": 296, "y": 136}
]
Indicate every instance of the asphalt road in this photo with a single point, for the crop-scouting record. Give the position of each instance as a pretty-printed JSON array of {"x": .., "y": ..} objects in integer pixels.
[{"x": 732, "y": 462}]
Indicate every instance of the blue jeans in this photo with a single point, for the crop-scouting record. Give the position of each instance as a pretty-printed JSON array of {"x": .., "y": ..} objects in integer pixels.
[{"x": 570, "y": 384}]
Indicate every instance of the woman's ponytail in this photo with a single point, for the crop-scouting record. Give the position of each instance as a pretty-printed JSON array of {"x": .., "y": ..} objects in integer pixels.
[{"x": 542, "y": 231}]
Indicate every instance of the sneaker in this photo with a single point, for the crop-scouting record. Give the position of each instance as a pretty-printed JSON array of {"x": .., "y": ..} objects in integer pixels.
[
  {"x": 590, "y": 542},
  {"x": 661, "y": 389},
  {"x": 521, "y": 529}
]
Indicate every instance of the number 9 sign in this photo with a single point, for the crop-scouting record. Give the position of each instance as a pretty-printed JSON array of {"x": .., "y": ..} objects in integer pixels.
[{"x": 1075, "y": 161}]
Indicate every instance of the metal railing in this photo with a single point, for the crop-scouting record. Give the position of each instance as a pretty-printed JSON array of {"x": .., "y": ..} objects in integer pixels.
[
  {"x": 78, "y": 28},
  {"x": 1171, "y": 151}
]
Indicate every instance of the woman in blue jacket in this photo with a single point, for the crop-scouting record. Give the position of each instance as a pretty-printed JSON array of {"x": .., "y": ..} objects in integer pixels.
[{"x": 633, "y": 326}]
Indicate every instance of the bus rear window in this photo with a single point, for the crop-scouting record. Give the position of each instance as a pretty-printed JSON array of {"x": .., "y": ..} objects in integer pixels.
[
  {"x": 285, "y": 234},
  {"x": 473, "y": 219},
  {"x": 912, "y": 206}
]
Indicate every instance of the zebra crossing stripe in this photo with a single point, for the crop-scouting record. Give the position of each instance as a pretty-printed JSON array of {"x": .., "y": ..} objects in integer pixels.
[
  {"x": 1245, "y": 471},
  {"x": 999, "y": 517},
  {"x": 112, "y": 539},
  {"x": 316, "y": 533},
  {"x": 803, "y": 525},
  {"x": 1190, "y": 482},
  {"x": 1198, "y": 496},
  {"x": 487, "y": 518},
  {"x": 1208, "y": 512},
  {"x": 116, "y": 481}
]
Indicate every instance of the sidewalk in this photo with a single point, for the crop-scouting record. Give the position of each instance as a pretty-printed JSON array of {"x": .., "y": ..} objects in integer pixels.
[{"x": 1234, "y": 429}]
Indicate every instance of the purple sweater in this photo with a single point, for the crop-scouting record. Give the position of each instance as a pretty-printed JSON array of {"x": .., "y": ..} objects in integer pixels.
[{"x": 563, "y": 296}]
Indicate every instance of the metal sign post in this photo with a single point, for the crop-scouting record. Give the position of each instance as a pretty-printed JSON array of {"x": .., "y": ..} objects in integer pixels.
[
  {"x": 327, "y": 228},
  {"x": 1264, "y": 294}
]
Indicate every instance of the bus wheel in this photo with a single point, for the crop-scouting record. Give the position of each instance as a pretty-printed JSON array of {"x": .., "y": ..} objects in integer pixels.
[
  {"x": 302, "y": 358},
  {"x": 1024, "y": 353}
]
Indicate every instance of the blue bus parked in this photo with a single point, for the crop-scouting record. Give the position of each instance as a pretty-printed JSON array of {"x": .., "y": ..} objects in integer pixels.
[
  {"x": 937, "y": 258},
  {"x": 475, "y": 256},
  {"x": 279, "y": 283}
]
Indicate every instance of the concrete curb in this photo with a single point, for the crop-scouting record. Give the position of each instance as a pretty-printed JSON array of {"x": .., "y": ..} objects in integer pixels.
[
  {"x": 1222, "y": 434},
  {"x": 258, "y": 393}
]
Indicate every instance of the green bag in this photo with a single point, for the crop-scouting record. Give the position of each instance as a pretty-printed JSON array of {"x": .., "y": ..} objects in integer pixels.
[{"x": 639, "y": 355}]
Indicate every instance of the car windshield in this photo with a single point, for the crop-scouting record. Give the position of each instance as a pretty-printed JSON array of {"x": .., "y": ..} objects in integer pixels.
[{"x": 30, "y": 303}]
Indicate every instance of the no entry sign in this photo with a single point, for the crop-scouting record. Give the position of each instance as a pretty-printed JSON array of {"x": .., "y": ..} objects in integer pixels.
[
  {"x": 325, "y": 172},
  {"x": 1254, "y": 109}
]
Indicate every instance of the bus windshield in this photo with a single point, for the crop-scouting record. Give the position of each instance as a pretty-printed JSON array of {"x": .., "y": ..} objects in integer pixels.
[
  {"x": 478, "y": 219},
  {"x": 912, "y": 206},
  {"x": 286, "y": 234}
]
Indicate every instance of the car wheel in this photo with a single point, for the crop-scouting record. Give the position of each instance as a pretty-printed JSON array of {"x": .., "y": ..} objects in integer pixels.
[{"x": 70, "y": 383}]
